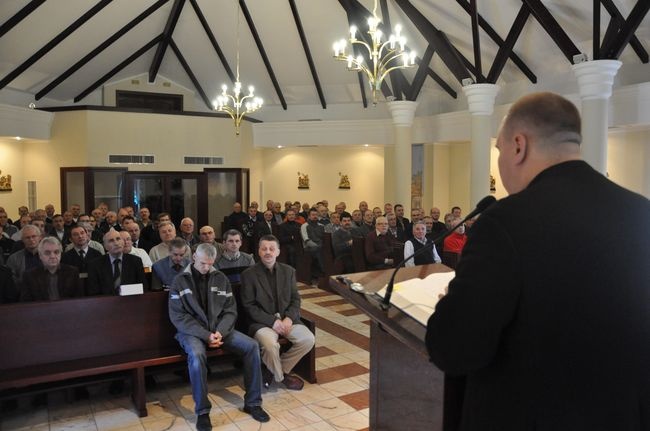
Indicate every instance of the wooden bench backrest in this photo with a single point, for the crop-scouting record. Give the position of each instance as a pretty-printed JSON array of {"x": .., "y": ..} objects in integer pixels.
[{"x": 83, "y": 328}]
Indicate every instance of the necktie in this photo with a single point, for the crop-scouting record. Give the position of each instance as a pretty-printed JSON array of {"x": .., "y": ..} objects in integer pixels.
[
  {"x": 177, "y": 267},
  {"x": 82, "y": 254},
  {"x": 116, "y": 274}
]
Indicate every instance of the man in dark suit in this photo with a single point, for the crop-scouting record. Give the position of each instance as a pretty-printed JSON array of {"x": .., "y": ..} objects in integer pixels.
[
  {"x": 551, "y": 329},
  {"x": 272, "y": 303},
  {"x": 265, "y": 227},
  {"x": 54, "y": 280},
  {"x": 80, "y": 254},
  {"x": 379, "y": 245},
  {"x": 107, "y": 273},
  {"x": 8, "y": 291}
]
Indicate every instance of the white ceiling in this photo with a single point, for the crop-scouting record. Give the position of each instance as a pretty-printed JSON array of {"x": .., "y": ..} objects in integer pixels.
[{"x": 324, "y": 21}]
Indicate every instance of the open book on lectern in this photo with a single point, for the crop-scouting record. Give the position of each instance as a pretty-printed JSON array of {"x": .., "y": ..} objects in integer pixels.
[{"x": 418, "y": 297}]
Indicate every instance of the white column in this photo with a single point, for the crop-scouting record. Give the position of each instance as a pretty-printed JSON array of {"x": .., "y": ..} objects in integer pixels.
[
  {"x": 480, "y": 98},
  {"x": 595, "y": 79},
  {"x": 403, "y": 113}
]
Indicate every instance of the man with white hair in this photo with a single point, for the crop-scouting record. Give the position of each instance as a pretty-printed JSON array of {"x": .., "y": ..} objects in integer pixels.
[
  {"x": 27, "y": 258},
  {"x": 167, "y": 232},
  {"x": 53, "y": 280},
  {"x": 418, "y": 242}
]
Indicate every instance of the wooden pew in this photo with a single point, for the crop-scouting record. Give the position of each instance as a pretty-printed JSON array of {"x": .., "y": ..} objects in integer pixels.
[{"x": 51, "y": 344}]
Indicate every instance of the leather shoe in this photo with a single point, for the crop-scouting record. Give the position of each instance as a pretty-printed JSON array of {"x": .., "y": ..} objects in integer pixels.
[
  {"x": 267, "y": 377},
  {"x": 292, "y": 382},
  {"x": 258, "y": 413},
  {"x": 203, "y": 423}
]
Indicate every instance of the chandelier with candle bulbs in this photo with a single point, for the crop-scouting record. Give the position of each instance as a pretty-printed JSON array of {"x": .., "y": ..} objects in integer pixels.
[
  {"x": 236, "y": 104},
  {"x": 384, "y": 56}
]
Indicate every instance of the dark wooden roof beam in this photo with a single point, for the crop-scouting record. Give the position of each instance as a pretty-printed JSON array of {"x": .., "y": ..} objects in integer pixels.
[
  {"x": 54, "y": 42},
  {"x": 119, "y": 67},
  {"x": 19, "y": 16},
  {"x": 421, "y": 73},
  {"x": 435, "y": 37},
  {"x": 362, "y": 87},
  {"x": 613, "y": 47},
  {"x": 164, "y": 42},
  {"x": 476, "y": 41},
  {"x": 213, "y": 40},
  {"x": 401, "y": 87},
  {"x": 508, "y": 45},
  {"x": 487, "y": 28},
  {"x": 260, "y": 48},
  {"x": 553, "y": 28},
  {"x": 92, "y": 54},
  {"x": 189, "y": 72},
  {"x": 618, "y": 19},
  {"x": 305, "y": 47},
  {"x": 596, "y": 30}
]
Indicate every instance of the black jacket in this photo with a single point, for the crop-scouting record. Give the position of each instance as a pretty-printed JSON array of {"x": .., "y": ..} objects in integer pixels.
[
  {"x": 100, "y": 274},
  {"x": 551, "y": 327}
]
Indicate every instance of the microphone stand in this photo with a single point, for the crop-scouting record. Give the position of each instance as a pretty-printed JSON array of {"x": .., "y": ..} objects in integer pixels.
[{"x": 480, "y": 207}]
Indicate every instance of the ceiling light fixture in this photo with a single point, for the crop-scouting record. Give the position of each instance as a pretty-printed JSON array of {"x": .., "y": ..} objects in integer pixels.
[
  {"x": 235, "y": 104},
  {"x": 384, "y": 56}
]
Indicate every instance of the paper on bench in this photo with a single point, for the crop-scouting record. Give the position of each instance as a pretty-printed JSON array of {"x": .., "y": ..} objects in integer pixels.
[
  {"x": 418, "y": 297},
  {"x": 131, "y": 289}
]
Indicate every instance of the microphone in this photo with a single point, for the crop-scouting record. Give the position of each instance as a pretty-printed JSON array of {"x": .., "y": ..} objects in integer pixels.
[{"x": 480, "y": 207}]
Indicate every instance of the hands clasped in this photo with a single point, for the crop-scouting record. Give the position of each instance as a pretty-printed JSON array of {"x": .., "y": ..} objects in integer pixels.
[
  {"x": 283, "y": 327},
  {"x": 215, "y": 340}
]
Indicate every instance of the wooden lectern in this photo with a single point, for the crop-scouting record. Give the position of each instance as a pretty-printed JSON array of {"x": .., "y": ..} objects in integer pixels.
[{"x": 407, "y": 391}]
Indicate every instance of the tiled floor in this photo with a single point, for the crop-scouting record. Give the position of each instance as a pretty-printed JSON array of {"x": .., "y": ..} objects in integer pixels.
[{"x": 338, "y": 402}]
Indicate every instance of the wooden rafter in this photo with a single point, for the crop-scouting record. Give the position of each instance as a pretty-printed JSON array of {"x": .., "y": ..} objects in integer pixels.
[
  {"x": 260, "y": 48},
  {"x": 189, "y": 72},
  {"x": 19, "y": 16},
  {"x": 509, "y": 43},
  {"x": 612, "y": 48},
  {"x": 617, "y": 19},
  {"x": 213, "y": 40},
  {"x": 54, "y": 42},
  {"x": 119, "y": 67},
  {"x": 92, "y": 54},
  {"x": 305, "y": 46},
  {"x": 174, "y": 14},
  {"x": 421, "y": 73},
  {"x": 553, "y": 28},
  {"x": 476, "y": 40}
]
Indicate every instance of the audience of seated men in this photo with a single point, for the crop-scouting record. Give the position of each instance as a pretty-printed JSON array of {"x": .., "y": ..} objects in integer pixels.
[
  {"x": 135, "y": 251},
  {"x": 270, "y": 297},
  {"x": 58, "y": 230},
  {"x": 53, "y": 280},
  {"x": 342, "y": 244},
  {"x": 187, "y": 232},
  {"x": 379, "y": 246},
  {"x": 417, "y": 242},
  {"x": 91, "y": 243},
  {"x": 395, "y": 229},
  {"x": 6, "y": 227},
  {"x": 334, "y": 223},
  {"x": 312, "y": 239},
  {"x": 455, "y": 242},
  {"x": 289, "y": 232},
  {"x": 236, "y": 218},
  {"x": 27, "y": 258},
  {"x": 264, "y": 227},
  {"x": 81, "y": 253},
  {"x": 231, "y": 256},
  {"x": 207, "y": 236},
  {"x": 167, "y": 232},
  {"x": 366, "y": 227},
  {"x": 165, "y": 270},
  {"x": 108, "y": 273}
]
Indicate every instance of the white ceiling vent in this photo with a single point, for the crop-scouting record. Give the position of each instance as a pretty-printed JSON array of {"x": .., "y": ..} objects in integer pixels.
[
  {"x": 131, "y": 159},
  {"x": 201, "y": 160}
]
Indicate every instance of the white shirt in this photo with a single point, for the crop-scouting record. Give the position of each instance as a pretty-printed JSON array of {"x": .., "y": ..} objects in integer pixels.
[
  {"x": 144, "y": 257},
  {"x": 409, "y": 250}
]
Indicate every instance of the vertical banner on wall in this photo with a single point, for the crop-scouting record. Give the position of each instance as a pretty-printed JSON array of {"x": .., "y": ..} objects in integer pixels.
[{"x": 417, "y": 172}]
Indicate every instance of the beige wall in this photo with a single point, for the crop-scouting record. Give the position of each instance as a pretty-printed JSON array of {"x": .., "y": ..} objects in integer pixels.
[
  {"x": 363, "y": 165},
  {"x": 629, "y": 160},
  {"x": 13, "y": 155},
  {"x": 459, "y": 171}
]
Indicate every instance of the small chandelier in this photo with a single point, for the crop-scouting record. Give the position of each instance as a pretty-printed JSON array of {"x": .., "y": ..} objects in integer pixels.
[
  {"x": 234, "y": 104},
  {"x": 384, "y": 56}
]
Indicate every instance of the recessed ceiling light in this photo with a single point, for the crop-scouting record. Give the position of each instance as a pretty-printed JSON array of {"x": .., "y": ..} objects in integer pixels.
[
  {"x": 18, "y": 138},
  {"x": 366, "y": 145},
  {"x": 280, "y": 146}
]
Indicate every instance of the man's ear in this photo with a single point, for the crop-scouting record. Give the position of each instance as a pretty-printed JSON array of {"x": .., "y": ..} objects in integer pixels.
[{"x": 521, "y": 148}]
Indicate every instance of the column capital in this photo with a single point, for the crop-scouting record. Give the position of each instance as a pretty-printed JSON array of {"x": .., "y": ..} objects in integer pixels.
[
  {"x": 480, "y": 98},
  {"x": 596, "y": 77},
  {"x": 403, "y": 112}
]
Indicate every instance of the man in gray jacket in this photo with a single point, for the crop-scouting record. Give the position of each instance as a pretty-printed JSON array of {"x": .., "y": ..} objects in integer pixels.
[{"x": 203, "y": 309}]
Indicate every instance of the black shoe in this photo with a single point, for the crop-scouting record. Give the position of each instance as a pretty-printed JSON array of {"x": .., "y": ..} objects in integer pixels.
[
  {"x": 267, "y": 377},
  {"x": 203, "y": 423},
  {"x": 258, "y": 413}
]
